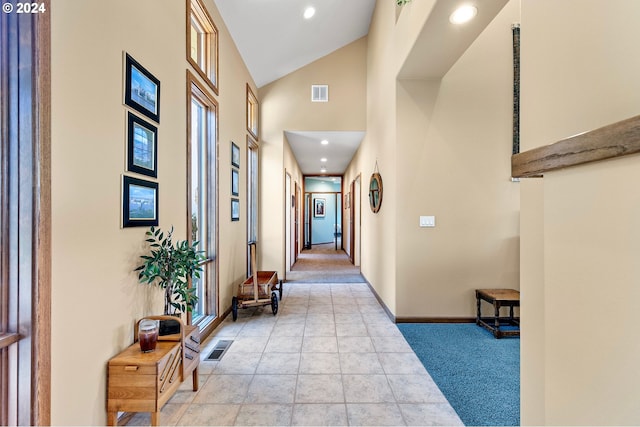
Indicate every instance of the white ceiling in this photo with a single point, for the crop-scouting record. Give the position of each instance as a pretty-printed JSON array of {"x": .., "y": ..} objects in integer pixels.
[
  {"x": 274, "y": 39},
  {"x": 308, "y": 150}
]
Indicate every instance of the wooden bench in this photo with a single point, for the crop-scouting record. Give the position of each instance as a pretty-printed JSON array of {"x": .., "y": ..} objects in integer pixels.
[{"x": 499, "y": 298}]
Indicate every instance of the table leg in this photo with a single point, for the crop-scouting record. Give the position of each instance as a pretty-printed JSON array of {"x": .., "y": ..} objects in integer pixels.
[
  {"x": 496, "y": 321},
  {"x": 194, "y": 377},
  {"x": 478, "y": 308},
  {"x": 155, "y": 418},
  {"x": 511, "y": 314}
]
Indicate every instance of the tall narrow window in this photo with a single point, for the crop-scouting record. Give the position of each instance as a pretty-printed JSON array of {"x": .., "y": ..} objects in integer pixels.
[
  {"x": 252, "y": 195},
  {"x": 202, "y": 43},
  {"x": 252, "y": 113},
  {"x": 25, "y": 224},
  {"x": 201, "y": 207}
]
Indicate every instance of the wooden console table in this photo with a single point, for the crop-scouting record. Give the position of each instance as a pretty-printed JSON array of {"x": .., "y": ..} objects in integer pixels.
[
  {"x": 144, "y": 382},
  {"x": 499, "y": 298}
]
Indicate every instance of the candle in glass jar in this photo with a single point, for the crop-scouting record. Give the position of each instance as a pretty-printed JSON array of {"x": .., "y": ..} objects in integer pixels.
[{"x": 148, "y": 335}]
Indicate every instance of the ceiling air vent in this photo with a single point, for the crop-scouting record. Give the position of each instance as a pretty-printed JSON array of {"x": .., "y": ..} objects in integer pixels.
[{"x": 319, "y": 93}]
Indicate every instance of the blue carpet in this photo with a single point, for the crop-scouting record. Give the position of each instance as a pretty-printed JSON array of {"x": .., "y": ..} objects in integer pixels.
[{"x": 478, "y": 374}]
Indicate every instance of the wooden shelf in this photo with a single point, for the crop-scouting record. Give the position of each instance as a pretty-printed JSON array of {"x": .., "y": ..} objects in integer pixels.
[{"x": 608, "y": 142}]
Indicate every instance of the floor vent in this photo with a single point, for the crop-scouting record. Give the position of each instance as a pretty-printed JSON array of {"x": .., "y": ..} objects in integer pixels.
[{"x": 219, "y": 350}]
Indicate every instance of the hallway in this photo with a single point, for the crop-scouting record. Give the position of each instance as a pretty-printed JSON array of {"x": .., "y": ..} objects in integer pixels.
[
  {"x": 331, "y": 356},
  {"x": 324, "y": 264}
]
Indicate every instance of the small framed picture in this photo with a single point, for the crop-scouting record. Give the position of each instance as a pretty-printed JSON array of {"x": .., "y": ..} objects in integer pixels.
[
  {"x": 235, "y": 182},
  {"x": 235, "y": 210},
  {"x": 318, "y": 207},
  {"x": 139, "y": 202},
  {"x": 235, "y": 155},
  {"x": 141, "y": 90},
  {"x": 142, "y": 146}
]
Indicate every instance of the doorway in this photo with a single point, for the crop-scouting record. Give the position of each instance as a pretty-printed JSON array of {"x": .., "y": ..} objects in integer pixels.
[{"x": 323, "y": 211}]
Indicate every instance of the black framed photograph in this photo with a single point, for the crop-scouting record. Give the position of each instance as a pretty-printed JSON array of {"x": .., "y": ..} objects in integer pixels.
[
  {"x": 318, "y": 207},
  {"x": 235, "y": 155},
  {"x": 235, "y": 182},
  {"x": 139, "y": 202},
  {"x": 141, "y": 90},
  {"x": 142, "y": 146},
  {"x": 235, "y": 210}
]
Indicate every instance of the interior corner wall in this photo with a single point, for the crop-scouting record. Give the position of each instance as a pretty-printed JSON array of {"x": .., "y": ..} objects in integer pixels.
[
  {"x": 96, "y": 298},
  {"x": 297, "y": 179},
  {"x": 454, "y": 162},
  {"x": 575, "y": 59},
  {"x": 285, "y": 105},
  {"x": 378, "y": 230}
]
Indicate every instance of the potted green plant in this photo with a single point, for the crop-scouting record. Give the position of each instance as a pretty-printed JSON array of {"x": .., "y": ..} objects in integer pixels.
[{"x": 170, "y": 267}]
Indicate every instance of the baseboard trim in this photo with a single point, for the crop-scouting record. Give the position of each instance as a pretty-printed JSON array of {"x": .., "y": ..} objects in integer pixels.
[
  {"x": 391, "y": 316},
  {"x": 435, "y": 319}
]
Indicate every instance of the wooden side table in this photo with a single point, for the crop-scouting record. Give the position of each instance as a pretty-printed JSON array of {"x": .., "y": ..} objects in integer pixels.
[
  {"x": 499, "y": 298},
  {"x": 143, "y": 382}
]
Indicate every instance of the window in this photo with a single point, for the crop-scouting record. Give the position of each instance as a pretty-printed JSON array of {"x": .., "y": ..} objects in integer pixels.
[
  {"x": 252, "y": 113},
  {"x": 252, "y": 195},
  {"x": 25, "y": 212},
  {"x": 202, "y": 140},
  {"x": 202, "y": 43}
]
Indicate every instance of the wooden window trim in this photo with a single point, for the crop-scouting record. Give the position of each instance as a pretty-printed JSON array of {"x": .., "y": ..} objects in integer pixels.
[
  {"x": 196, "y": 9},
  {"x": 39, "y": 74},
  {"x": 252, "y": 100},
  {"x": 207, "y": 322}
]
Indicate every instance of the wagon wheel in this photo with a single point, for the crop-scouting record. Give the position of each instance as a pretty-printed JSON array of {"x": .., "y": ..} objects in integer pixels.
[
  {"x": 280, "y": 290},
  {"x": 234, "y": 308},
  {"x": 274, "y": 303}
]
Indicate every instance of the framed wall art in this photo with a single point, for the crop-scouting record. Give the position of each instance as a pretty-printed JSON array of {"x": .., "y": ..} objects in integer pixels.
[
  {"x": 318, "y": 207},
  {"x": 235, "y": 182},
  {"x": 142, "y": 146},
  {"x": 139, "y": 202},
  {"x": 235, "y": 210},
  {"x": 141, "y": 90},
  {"x": 235, "y": 155}
]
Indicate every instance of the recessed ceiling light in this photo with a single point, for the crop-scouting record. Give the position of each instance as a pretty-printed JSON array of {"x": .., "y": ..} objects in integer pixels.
[
  {"x": 324, "y": 159},
  {"x": 309, "y": 12},
  {"x": 463, "y": 14},
  {"x": 324, "y": 142}
]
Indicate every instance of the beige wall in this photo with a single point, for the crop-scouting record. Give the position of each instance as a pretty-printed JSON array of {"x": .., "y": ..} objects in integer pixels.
[
  {"x": 96, "y": 299},
  {"x": 454, "y": 150},
  {"x": 378, "y": 240},
  {"x": 443, "y": 148},
  {"x": 286, "y": 106},
  {"x": 579, "y": 73}
]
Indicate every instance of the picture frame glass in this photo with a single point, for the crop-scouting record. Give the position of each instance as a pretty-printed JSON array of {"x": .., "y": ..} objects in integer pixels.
[
  {"x": 235, "y": 182},
  {"x": 319, "y": 207},
  {"x": 142, "y": 202},
  {"x": 235, "y": 155},
  {"x": 143, "y": 90},
  {"x": 235, "y": 210},
  {"x": 143, "y": 147}
]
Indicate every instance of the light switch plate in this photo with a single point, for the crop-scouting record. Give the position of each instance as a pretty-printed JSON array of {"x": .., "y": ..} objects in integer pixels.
[{"x": 427, "y": 221}]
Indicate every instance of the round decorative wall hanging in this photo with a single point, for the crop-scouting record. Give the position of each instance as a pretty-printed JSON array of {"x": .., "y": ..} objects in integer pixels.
[{"x": 375, "y": 190}]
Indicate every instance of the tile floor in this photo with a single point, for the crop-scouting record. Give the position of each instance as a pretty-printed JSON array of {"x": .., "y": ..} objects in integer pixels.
[{"x": 331, "y": 356}]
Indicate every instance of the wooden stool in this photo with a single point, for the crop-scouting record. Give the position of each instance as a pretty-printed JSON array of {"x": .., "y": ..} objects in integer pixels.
[{"x": 499, "y": 298}]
